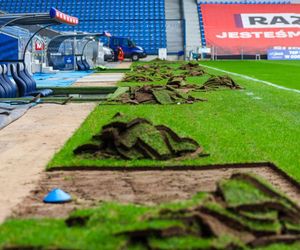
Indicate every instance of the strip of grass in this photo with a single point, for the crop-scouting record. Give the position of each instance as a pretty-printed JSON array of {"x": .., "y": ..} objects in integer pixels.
[
  {"x": 284, "y": 73},
  {"x": 106, "y": 221},
  {"x": 258, "y": 124},
  {"x": 102, "y": 228}
]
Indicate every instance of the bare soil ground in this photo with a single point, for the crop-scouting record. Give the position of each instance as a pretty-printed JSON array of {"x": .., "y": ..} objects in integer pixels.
[
  {"x": 123, "y": 65},
  {"x": 27, "y": 145},
  {"x": 141, "y": 187}
]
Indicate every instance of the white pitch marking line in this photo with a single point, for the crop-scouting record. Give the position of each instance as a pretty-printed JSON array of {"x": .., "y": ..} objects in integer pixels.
[
  {"x": 253, "y": 79},
  {"x": 257, "y": 98}
]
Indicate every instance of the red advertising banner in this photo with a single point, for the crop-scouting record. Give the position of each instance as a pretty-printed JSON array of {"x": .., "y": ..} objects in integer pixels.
[{"x": 251, "y": 28}]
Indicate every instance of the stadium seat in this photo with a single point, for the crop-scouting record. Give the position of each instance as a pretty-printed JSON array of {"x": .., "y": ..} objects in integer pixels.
[
  {"x": 13, "y": 89},
  {"x": 86, "y": 64},
  {"x": 25, "y": 82},
  {"x": 5, "y": 90},
  {"x": 18, "y": 80},
  {"x": 80, "y": 65},
  {"x": 32, "y": 82}
]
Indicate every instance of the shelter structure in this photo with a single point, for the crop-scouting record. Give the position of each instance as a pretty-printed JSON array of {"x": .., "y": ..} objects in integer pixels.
[
  {"x": 62, "y": 53},
  {"x": 44, "y": 20}
]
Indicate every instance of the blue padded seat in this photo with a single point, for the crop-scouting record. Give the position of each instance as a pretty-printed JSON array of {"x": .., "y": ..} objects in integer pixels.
[
  {"x": 6, "y": 90},
  {"x": 32, "y": 82},
  {"x": 30, "y": 86},
  {"x": 18, "y": 80},
  {"x": 25, "y": 82},
  {"x": 80, "y": 65},
  {"x": 86, "y": 64},
  {"x": 2, "y": 92},
  {"x": 12, "y": 87}
]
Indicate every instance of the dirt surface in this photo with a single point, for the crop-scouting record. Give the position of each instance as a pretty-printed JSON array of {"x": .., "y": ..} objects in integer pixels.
[
  {"x": 140, "y": 187},
  {"x": 123, "y": 65},
  {"x": 158, "y": 94},
  {"x": 28, "y": 144},
  {"x": 244, "y": 208},
  {"x": 99, "y": 80},
  {"x": 94, "y": 84}
]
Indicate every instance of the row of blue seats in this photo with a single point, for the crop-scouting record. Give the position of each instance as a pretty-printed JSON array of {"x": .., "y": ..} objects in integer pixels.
[
  {"x": 106, "y": 13},
  {"x": 202, "y": 33},
  {"x": 246, "y": 2},
  {"x": 89, "y": 7},
  {"x": 116, "y": 5},
  {"x": 88, "y": 2},
  {"x": 136, "y": 26},
  {"x": 82, "y": 64},
  {"x": 138, "y": 32},
  {"x": 102, "y": 11},
  {"x": 8, "y": 88},
  {"x": 146, "y": 42},
  {"x": 127, "y": 7},
  {"x": 139, "y": 28},
  {"x": 111, "y": 10},
  {"x": 87, "y": 15},
  {"x": 102, "y": 2},
  {"x": 105, "y": 2},
  {"x": 23, "y": 84}
]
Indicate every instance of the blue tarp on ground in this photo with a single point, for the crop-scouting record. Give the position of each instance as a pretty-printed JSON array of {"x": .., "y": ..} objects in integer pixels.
[
  {"x": 10, "y": 113},
  {"x": 61, "y": 79}
]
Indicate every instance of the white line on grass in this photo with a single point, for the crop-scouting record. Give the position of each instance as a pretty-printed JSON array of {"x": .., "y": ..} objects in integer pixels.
[{"x": 253, "y": 79}]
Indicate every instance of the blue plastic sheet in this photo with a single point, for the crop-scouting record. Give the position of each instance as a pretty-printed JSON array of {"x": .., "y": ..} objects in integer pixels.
[
  {"x": 10, "y": 113},
  {"x": 61, "y": 79}
]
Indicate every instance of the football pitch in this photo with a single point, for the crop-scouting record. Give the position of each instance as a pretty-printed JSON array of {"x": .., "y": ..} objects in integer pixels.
[
  {"x": 257, "y": 123},
  {"x": 283, "y": 73}
]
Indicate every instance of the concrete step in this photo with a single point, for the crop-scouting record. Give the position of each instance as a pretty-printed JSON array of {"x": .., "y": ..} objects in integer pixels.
[{"x": 193, "y": 37}]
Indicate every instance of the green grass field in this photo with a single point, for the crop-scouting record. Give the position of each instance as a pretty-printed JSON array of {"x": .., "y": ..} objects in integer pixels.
[
  {"x": 105, "y": 223},
  {"x": 284, "y": 73},
  {"x": 257, "y": 124}
]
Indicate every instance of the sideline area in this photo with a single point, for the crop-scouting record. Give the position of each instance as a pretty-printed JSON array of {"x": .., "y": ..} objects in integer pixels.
[
  {"x": 29, "y": 143},
  {"x": 60, "y": 79},
  {"x": 82, "y": 78},
  {"x": 99, "y": 80},
  {"x": 262, "y": 72},
  {"x": 231, "y": 126}
]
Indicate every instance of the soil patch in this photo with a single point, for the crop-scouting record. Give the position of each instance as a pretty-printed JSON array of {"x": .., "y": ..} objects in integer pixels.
[
  {"x": 244, "y": 207},
  {"x": 157, "y": 72},
  {"x": 151, "y": 94},
  {"x": 190, "y": 66},
  {"x": 99, "y": 80},
  {"x": 137, "y": 138},
  {"x": 123, "y": 65},
  {"x": 141, "y": 187},
  {"x": 220, "y": 82},
  {"x": 27, "y": 145}
]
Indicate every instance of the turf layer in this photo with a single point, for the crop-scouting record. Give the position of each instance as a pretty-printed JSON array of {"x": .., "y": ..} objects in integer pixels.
[{"x": 104, "y": 227}]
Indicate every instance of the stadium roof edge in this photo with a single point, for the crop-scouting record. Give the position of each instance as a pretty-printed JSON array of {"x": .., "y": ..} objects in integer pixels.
[{"x": 54, "y": 17}]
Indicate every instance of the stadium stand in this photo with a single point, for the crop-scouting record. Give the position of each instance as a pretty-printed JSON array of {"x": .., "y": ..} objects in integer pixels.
[
  {"x": 141, "y": 20},
  {"x": 173, "y": 24}
]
